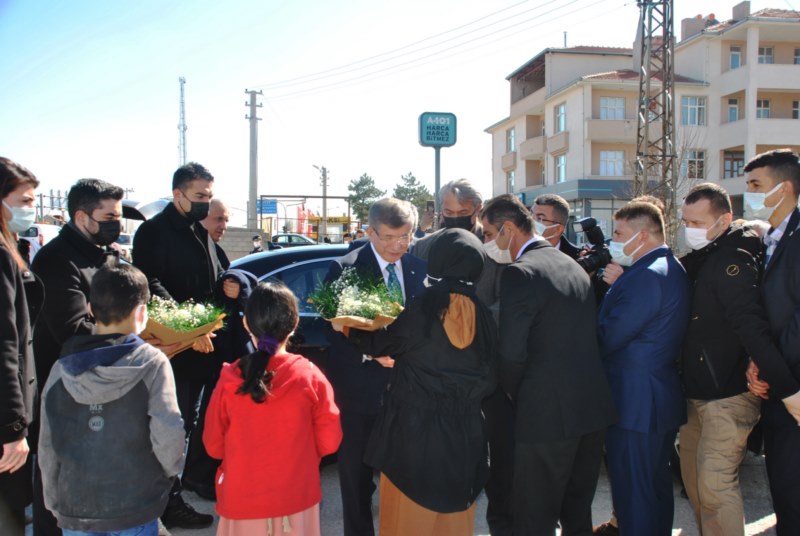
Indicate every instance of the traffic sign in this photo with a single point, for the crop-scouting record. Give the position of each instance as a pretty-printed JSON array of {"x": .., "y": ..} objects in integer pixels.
[
  {"x": 267, "y": 206},
  {"x": 437, "y": 129}
]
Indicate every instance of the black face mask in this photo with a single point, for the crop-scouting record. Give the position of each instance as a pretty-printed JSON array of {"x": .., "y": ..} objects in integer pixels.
[
  {"x": 198, "y": 210},
  {"x": 107, "y": 232},
  {"x": 461, "y": 222}
]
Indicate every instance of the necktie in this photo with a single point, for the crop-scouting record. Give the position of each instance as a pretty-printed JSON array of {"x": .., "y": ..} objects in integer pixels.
[
  {"x": 771, "y": 244},
  {"x": 394, "y": 283}
]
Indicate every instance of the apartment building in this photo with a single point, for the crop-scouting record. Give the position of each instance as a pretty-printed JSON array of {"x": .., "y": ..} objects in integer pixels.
[{"x": 572, "y": 125}]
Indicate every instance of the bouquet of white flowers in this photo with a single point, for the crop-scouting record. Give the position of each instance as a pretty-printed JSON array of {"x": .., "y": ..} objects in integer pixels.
[
  {"x": 172, "y": 322},
  {"x": 356, "y": 301}
]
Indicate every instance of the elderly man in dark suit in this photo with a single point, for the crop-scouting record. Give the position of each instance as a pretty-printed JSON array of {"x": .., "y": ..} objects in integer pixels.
[
  {"x": 359, "y": 380},
  {"x": 641, "y": 325},
  {"x": 773, "y": 186},
  {"x": 563, "y": 401}
]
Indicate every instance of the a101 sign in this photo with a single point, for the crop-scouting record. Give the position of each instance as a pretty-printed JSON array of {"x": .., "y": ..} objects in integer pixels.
[{"x": 437, "y": 129}]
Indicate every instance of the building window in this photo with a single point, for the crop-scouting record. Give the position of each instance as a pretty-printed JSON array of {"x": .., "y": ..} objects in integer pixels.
[
  {"x": 693, "y": 111},
  {"x": 511, "y": 145},
  {"x": 561, "y": 117},
  {"x": 612, "y": 163},
  {"x": 612, "y": 108},
  {"x": 797, "y": 56},
  {"x": 733, "y": 164},
  {"x": 510, "y": 181},
  {"x": 765, "y": 55},
  {"x": 736, "y": 57},
  {"x": 561, "y": 168},
  {"x": 762, "y": 109},
  {"x": 695, "y": 164},
  {"x": 795, "y": 109},
  {"x": 733, "y": 110}
]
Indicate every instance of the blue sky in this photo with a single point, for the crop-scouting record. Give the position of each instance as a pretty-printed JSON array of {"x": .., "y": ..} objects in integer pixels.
[{"x": 90, "y": 88}]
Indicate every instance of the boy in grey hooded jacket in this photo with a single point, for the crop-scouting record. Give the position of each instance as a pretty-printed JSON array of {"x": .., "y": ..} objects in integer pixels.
[{"x": 112, "y": 438}]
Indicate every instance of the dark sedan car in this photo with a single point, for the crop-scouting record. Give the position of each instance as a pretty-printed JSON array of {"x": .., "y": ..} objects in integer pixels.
[
  {"x": 300, "y": 269},
  {"x": 291, "y": 240}
]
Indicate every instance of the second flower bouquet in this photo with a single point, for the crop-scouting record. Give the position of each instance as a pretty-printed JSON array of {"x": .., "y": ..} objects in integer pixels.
[
  {"x": 173, "y": 322},
  {"x": 356, "y": 301}
]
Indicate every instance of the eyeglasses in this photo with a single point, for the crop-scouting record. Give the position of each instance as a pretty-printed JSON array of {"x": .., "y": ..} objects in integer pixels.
[
  {"x": 542, "y": 219},
  {"x": 391, "y": 239}
]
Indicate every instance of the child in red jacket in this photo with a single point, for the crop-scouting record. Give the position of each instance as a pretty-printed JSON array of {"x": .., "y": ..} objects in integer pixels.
[{"x": 271, "y": 419}]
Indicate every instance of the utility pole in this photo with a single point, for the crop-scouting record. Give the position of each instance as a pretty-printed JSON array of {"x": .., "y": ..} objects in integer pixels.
[
  {"x": 182, "y": 125},
  {"x": 252, "y": 210},
  {"x": 322, "y": 230},
  {"x": 655, "y": 140}
]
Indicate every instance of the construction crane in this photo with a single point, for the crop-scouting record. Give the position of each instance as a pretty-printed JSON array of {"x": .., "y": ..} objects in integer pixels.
[
  {"x": 182, "y": 125},
  {"x": 655, "y": 140}
]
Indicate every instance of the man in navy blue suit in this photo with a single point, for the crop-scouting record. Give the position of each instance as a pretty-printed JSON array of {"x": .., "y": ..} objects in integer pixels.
[
  {"x": 773, "y": 187},
  {"x": 641, "y": 325},
  {"x": 359, "y": 380}
]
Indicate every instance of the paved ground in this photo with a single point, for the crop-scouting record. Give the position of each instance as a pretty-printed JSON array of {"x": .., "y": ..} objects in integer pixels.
[{"x": 758, "y": 507}]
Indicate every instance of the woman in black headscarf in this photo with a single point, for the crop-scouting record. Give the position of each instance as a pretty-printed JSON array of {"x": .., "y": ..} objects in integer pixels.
[{"x": 429, "y": 441}]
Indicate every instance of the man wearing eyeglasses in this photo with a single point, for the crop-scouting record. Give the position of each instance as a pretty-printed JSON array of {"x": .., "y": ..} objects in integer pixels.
[
  {"x": 550, "y": 215},
  {"x": 359, "y": 380}
]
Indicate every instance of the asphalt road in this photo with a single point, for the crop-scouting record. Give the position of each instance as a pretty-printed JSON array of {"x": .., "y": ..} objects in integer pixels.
[{"x": 758, "y": 506}]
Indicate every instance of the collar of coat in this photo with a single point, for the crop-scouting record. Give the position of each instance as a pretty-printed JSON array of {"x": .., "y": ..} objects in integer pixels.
[{"x": 83, "y": 245}]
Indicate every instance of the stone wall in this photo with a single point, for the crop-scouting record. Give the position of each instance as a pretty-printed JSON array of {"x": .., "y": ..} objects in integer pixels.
[{"x": 237, "y": 241}]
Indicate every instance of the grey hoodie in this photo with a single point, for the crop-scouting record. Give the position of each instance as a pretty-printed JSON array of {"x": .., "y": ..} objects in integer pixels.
[{"x": 112, "y": 437}]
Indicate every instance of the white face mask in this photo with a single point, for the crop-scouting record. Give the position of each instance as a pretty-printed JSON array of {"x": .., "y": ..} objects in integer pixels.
[
  {"x": 697, "y": 237},
  {"x": 21, "y": 218},
  {"x": 754, "y": 207},
  {"x": 542, "y": 228},
  {"x": 617, "y": 250},
  {"x": 140, "y": 327},
  {"x": 500, "y": 256}
]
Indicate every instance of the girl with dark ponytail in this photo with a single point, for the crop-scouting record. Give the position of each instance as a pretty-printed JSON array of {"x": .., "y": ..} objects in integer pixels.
[{"x": 270, "y": 420}]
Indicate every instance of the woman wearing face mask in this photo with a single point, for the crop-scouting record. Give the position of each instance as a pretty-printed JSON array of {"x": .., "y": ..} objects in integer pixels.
[{"x": 22, "y": 296}]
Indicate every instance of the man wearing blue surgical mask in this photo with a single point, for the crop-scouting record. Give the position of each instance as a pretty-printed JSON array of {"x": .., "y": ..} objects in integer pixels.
[
  {"x": 773, "y": 184},
  {"x": 550, "y": 215},
  {"x": 641, "y": 325},
  {"x": 728, "y": 325}
]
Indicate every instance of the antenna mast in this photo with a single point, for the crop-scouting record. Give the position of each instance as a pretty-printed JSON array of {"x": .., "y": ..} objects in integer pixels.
[{"x": 182, "y": 125}]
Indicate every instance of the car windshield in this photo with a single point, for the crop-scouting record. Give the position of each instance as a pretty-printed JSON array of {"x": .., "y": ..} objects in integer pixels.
[
  {"x": 31, "y": 232},
  {"x": 124, "y": 239}
]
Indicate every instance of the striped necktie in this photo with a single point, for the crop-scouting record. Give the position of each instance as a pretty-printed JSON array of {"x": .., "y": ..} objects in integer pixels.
[{"x": 394, "y": 283}]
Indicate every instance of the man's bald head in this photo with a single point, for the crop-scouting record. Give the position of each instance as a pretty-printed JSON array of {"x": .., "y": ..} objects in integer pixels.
[{"x": 216, "y": 223}]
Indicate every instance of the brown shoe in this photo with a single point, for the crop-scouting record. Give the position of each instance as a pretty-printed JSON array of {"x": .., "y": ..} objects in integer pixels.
[{"x": 606, "y": 529}]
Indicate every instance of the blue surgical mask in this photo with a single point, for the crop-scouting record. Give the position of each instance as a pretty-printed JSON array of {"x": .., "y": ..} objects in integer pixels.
[
  {"x": 21, "y": 218},
  {"x": 617, "y": 250},
  {"x": 754, "y": 207}
]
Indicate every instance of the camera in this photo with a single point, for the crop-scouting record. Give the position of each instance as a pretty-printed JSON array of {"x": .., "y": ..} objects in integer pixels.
[{"x": 598, "y": 255}]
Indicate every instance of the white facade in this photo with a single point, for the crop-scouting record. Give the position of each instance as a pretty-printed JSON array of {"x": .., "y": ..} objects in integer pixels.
[{"x": 728, "y": 107}]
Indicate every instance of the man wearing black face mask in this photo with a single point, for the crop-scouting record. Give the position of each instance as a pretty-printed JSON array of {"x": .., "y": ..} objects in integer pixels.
[
  {"x": 66, "y": 266},
  {"x": 172, "y": 251},
  {"x": 460, "y": 205}
]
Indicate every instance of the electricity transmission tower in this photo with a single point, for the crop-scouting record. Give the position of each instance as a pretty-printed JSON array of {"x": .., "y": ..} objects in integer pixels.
[
  {"x": 182, "y": 125},
  {"x": 655, "y": 140}
]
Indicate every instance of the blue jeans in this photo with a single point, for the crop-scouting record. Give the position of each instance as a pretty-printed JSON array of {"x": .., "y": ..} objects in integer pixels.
[{"x": 148, "y": 529}]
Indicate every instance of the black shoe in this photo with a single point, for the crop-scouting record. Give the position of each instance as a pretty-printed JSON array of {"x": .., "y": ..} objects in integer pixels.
[
  {"x": 205, "y": 491},
  {"x": 182, "y": 515}
]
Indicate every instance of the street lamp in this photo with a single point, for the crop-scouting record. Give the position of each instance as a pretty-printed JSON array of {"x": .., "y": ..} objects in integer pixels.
[{"x": 322, "y": 230}]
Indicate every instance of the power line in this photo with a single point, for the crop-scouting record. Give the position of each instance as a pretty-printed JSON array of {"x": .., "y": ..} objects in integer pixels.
[
  {"x": 414, "y": 63},
  {"x": 289, "y": 81}
]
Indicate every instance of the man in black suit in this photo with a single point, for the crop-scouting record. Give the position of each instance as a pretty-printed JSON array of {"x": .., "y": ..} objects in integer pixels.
[
  {"x": 773, "y": 186},
  {"x": 550, "y": 216},
  {"x": 563, "y": 400},
  {"x": 359, "y": 380}
]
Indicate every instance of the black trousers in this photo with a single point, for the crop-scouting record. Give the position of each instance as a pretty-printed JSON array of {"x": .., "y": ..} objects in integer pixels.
[
  {"x": 200, "y": 467},
  {"x": 188, "y": 391},
  {"x": 355, "y": 477},
  {"x": 782, "y": 452},
  {"x": 499, "y": 413},
  {"x": 16, "y": 492},
  {"x": 555, "y": 481}
]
